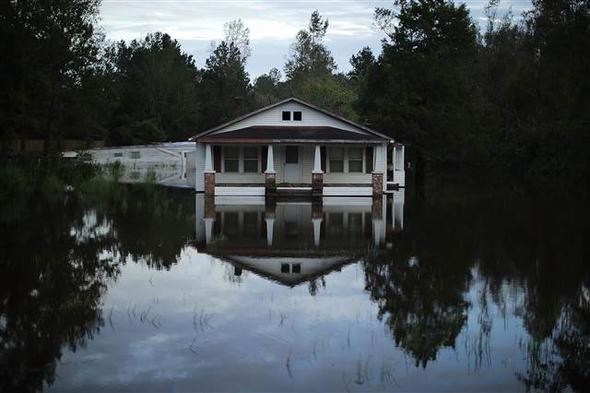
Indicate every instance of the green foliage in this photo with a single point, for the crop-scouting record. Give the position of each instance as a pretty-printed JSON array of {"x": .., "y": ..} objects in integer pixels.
[
  {"x": 225, "y": 86},
  {"x": 155, "y": 91},
  {"x": 333, "y": 93},
  {"x": 421, "y": 90},
  {"x": 49, "y": 53}
]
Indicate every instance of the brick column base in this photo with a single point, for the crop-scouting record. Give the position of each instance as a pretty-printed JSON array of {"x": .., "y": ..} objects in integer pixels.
[
  {"x": 270, "y": 184},
  {"x": 209, "y": 183},
  {"x": 317, "y": 184},
  {"x": 377, "y": 184}
]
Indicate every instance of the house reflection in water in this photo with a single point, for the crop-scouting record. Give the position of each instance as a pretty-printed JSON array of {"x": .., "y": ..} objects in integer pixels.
[{"x": 295, "y": 241}]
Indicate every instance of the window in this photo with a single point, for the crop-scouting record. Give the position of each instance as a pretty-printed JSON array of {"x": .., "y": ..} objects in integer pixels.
[
  {"x": 296, "y": 268},
  {"x": 297, "y": 115},
  {"x": 355, "y": 159},
  {"x": 291, "y": 155},
  {"x": 285, "y": 268},
  {"x": 286, "y": 115},
  {"x": 336, "y": 159},
  {"x": 118, "y": 154},
  {"x": 231, "y": 159},
  {"x": 251, "y": 159},
  {"x": 135, "y": 155}
]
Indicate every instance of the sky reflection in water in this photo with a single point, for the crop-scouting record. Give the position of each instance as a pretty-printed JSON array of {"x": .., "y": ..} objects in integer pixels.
[{"x": 460, "y": 291}]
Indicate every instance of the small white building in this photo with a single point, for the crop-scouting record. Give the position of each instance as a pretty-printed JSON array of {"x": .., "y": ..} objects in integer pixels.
[
  {"x": 295, "y": 147},
  {"x": 172, "y": 163}
]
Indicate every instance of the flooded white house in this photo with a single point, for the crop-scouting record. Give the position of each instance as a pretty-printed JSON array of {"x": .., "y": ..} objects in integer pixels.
[
  {"x": 295, "y": 147},
  {"x": 289, "y": 148}
]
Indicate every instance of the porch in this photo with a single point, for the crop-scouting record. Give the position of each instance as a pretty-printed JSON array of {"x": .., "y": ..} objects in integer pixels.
[{"x": 290, "y": 168}]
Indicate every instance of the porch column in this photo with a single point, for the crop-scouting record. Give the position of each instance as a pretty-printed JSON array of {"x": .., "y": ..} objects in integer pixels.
[
  {"x": 209, "y": 172},
  {"x": 270, "y": 176},
  {"x": 317, "y": 175},
  {"x": 379, "y": 169}
]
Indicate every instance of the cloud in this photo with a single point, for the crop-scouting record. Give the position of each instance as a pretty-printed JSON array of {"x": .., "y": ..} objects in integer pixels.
[{"x": 273, "y": 24}]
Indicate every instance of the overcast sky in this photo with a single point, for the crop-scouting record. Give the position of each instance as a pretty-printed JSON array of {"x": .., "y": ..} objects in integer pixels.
[{"x": 273, "y": 24}]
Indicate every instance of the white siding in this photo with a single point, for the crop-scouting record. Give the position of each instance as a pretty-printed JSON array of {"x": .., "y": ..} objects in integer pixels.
[
  {"x": 238, "y": 191},
  {"x": 273, "y": 117},
  {"x": 233, "y": 178},
  {"x": 348, "y": 191},
  {"x": 347, "y": 178}
]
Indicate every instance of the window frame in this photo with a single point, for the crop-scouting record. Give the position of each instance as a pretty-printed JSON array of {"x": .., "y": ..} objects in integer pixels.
[
  {"x": 288, "y": 113},
  {"x": 224, "y": 159},
  {"x": 330, "y": 159},
  {"x": 297, "y": 113},
  {"x": 256, "y": 149},
  {"x": 241, "y": 159},
  {"x": 361, "y": 159},
  {"x": 345, "y": 159}
]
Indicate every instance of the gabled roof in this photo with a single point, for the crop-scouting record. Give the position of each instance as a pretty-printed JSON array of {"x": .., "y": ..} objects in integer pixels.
[{"x": 297, "y": 100}]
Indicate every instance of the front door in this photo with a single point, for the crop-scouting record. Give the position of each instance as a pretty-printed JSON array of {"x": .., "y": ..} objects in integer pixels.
[{"x": 292, "y": 168}]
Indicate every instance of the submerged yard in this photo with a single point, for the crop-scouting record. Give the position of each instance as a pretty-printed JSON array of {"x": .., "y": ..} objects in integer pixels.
[{"x": 126, "y": 290}]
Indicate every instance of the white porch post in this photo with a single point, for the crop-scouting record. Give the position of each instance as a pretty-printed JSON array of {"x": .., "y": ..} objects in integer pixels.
[
  {"x": 317, "y": 175},
  {"x": 208, "y": 159},
  {"x": 270, "y": 176},
  {"x": 317, "y": 162},
  {"x": 270, "y": 162},
  {"x": 209, "y": 172}
]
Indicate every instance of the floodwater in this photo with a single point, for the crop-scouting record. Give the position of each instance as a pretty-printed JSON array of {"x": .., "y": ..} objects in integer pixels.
[{"x": 147, "y": 288}]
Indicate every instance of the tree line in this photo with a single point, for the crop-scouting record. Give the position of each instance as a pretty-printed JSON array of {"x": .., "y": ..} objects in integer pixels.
[{"x": 512, "y": 95}]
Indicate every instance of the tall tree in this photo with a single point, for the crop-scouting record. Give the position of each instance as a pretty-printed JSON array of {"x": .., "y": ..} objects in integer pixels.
[
  {"x": 155, "y": 87},
  {"x": 310, "y": 70},
  {"x": 48, "y": 51},
  {"x": 225, "y": 87},
  {"x": 309, "y": 56},
  {"x": 422, "y": 90}
]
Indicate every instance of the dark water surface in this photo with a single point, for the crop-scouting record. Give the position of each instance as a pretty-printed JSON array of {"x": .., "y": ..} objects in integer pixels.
[{"x": 152, "y": 289}]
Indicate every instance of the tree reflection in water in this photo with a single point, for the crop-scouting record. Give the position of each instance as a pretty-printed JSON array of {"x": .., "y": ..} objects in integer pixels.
[
  {"x": 57, "y": 259},
  {"x": 537, "y": 247},
  {"x": 460, "y": 253}
]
